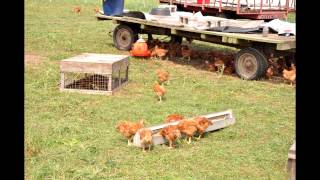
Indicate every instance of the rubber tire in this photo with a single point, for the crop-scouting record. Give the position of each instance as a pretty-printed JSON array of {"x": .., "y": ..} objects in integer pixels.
[
  {"x": 261, "y": 60},
  {"x": 175, "y": 38},
  {"x": 132, "y": 34}
]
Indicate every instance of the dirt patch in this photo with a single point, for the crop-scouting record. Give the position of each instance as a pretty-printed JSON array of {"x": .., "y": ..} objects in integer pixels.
[{"x": 31, "y": 59}]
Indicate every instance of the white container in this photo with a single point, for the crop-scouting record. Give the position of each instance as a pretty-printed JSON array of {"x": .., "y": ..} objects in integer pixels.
[{"x": 172, "y": 8}]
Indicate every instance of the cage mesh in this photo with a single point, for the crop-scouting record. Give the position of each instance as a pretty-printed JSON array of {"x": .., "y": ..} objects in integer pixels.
[
  {"x": 96, "y": 82},
  {"x": 86, "y": 81}
]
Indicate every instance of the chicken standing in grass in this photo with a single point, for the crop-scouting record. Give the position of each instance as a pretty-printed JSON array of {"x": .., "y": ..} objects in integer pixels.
[
  {"x": 188, "y": 127},
  {"x": 202, "y": 124},
  {"x": 163, "y": 76},
  {"x": 128, "y": 129},
  {"x": 220, "y": 65},
  {"x": 160, "y": 52},
  {"x": 173, "y": 117},
  {"x": 186, "y": 52},
  {"x": 270, "y": 72},
  {"x": 145, "y": 138},
  {"x": 290, "y": 74},
  {"x": 174, "y": 50},
  {"x": 159, "y": 90},
  {"x": 171, "y": 133},
  {"x": 228, "y": 70},
  {"x": 209, "y": 66},
  {"x": 77, "y": 9},
  {"x": 96, "y": 10}
]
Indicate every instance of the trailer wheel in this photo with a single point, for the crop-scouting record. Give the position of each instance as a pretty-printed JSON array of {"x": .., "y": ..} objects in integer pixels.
[
  {"x": 124, "y": 37},
  {"x": 250, "y": 63}
]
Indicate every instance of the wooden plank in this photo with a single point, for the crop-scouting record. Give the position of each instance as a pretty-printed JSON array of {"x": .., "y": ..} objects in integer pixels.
[
  {"x": 97, "y": 68},
  {"x": 91, "y": 63},
  {"x": 84, "y": 91},
  {"x": 220, "y": 120},
  {"x": 110, "y": 82},
  {"x": 87, "y": 91},
  {"x": 119, "y": 76},
  {"x": 286, "y": 46}
]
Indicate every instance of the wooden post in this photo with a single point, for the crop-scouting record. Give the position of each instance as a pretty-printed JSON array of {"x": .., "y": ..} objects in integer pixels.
[
  {"x": 127, "y": 73},
  {"x": 110, "y": 83},
  {"x": 119, "y": 76},
  {"x": 62, "y": 80}
]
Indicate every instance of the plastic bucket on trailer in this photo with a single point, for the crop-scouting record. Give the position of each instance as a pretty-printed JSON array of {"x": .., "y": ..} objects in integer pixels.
[
  {"x": 205, "y": 1},
  {"x": 113, "y": 7}
]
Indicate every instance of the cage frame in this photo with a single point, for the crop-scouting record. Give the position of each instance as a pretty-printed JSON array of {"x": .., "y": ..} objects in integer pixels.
[{"x": 83, "y": 64}]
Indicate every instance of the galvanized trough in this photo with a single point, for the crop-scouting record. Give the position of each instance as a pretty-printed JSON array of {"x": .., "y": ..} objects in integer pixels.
[{"x": 219, "y": 119}]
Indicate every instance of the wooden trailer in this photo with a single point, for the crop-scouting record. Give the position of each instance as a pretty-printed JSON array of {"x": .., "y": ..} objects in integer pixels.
[{"x": 250, "y": 62}]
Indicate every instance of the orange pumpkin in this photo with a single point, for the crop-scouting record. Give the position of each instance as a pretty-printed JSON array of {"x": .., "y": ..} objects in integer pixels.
[{"x": 140, "y": 48}]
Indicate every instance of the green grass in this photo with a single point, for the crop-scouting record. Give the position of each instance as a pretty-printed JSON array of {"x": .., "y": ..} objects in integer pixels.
[
  {"x": 292, "y": 17},
  {"x": 72, "y": 136}
]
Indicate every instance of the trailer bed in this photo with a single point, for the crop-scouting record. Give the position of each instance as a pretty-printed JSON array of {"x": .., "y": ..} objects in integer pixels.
[{"x": 233, "y": 39}]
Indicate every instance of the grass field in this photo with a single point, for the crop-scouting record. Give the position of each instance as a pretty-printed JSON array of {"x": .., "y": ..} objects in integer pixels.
[{"x": 72, "y": 136}]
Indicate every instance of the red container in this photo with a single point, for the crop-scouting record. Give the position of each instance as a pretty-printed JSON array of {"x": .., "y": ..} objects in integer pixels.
[
  {"x": 205, "y": 1},
  {"x": 140, "y": 48}
]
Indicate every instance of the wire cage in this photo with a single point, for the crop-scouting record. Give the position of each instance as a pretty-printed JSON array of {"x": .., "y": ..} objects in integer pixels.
[{"x": 92, "y": 76}]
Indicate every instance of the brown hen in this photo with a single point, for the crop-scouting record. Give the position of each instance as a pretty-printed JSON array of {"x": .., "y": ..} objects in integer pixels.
[
  {"x": 163, "y": 76},
  {"x": 270, "y": 72},
  {"x": 173, "y": 117},
  {"x": 145, "y": 138},
  {"x": 290, "y": 74},
  {"x": 159, "y": 90},
  {"x": 171, "y": 133},
  {"x": 202, "y": 124},
  {"x": 188, "y": 127},
  {"x": 129, "y": 129},
  {"x": 160, "y": 52},
  {"x": 186, "y": 52},
  {"x": 77, "y": 9}
]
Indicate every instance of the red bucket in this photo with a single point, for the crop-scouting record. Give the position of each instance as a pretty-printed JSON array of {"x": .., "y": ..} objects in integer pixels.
[{"x": 205, "y": 1}]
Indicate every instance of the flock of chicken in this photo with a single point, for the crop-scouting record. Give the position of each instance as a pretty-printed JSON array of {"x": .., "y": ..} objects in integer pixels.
[
  {"x": 211, "y": 60},
  {"x": 215, "y": 61},
  {"x": 276, "y": 67},
  {"x": 77, "y": 9},
  {"x": 186, "y": 127},
  {"x": 158, "y": 87}
]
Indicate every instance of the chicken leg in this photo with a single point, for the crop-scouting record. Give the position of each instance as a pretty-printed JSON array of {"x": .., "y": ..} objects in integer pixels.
[
  {"x": 189, "y": 140},
  {"x": 129, "y": 142},
  {"x": 199, "y": 137},
  {"x": 144, "y": 150}
]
